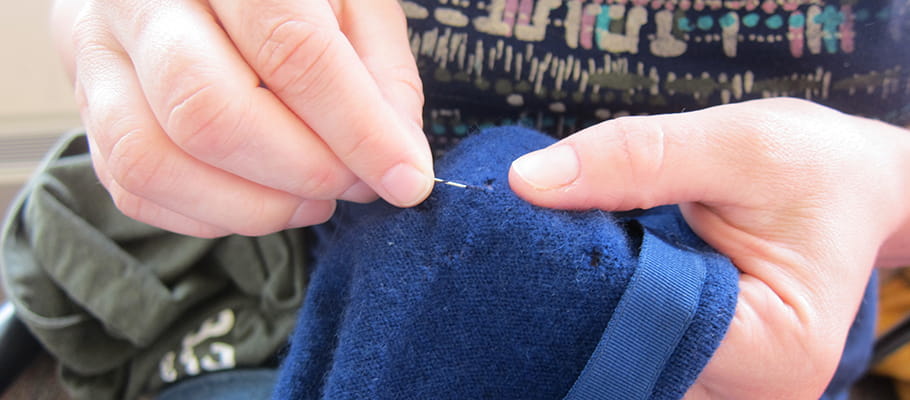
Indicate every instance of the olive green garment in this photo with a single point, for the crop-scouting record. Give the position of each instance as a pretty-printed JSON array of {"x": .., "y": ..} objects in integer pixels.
[{"x": 128, "y": 308}]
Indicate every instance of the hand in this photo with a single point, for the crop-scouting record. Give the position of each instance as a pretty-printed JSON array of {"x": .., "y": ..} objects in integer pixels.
[
  {"x": 799, "y": 196},
  {"x": 216, "y": 117}
]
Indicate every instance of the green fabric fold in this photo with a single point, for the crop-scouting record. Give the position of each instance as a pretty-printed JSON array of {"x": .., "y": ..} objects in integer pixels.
[{"x": 127, "y": 307}]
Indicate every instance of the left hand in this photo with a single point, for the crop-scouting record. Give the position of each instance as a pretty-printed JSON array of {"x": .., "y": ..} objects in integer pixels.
[{"x": 799, "y": 196}]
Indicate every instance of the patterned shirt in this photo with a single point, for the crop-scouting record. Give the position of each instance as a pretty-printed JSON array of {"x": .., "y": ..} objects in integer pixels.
[{"x": 562, "y": 65}]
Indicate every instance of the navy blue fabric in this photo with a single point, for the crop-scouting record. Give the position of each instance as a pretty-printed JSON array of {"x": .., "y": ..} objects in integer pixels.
[
  {"x": 857, "y": 352},
  {"x": 647, "y": 324},
  {"x": 478, "y": 294},
  {"x": 854, "y": 361}
]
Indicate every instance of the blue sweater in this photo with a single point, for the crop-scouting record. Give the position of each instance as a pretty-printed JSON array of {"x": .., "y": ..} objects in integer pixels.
[{"x": 478, "y": 294}]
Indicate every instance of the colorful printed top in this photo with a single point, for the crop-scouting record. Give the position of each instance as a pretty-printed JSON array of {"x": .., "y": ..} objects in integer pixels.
[{"x": 562, "y": 65}]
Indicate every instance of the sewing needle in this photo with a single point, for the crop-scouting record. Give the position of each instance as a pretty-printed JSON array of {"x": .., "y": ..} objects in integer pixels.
[{"x": 450, "y": 183}]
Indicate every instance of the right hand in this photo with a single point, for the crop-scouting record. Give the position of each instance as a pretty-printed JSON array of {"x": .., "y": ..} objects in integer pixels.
[
  {"x": 800, "y": 197},
  {"x": 212, "y": 117}
]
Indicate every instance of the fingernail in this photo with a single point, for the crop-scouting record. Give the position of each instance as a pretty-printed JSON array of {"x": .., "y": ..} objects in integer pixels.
[
  {"x": 548, "y": 169},
  {"x": 359, "y": 192},
  {"x": 406, "y": 185}
]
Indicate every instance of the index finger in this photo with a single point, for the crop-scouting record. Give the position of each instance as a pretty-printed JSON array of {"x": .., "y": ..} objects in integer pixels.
[{"x": 298, "y": 49}]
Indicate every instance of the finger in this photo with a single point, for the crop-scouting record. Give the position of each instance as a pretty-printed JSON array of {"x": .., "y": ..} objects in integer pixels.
[
  {"x": 211, "y": 105},
  {"x": 386, "y": 53},
  {"x": 360, "y": 192},
  {"x": 145, "y": 211},
  {"x": 102, "y": 51},
  {"x": 298, "y": 50},
  {"x": 142, "y": 161},
  {"x": 150, "y": 166},
  {"x": 643, "y": 162}
]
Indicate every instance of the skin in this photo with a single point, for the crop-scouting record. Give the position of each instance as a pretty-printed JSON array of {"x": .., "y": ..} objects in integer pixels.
[
  {"x": 805, "y": 200},
  {"x": 207, "y": 123}
]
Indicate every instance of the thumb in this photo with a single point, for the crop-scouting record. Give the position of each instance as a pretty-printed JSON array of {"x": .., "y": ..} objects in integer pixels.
[{"x": 642, "y": 162}]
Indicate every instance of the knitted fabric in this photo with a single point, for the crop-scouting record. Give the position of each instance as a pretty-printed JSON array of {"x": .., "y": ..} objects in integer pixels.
[{"x": 478, "y": 294}]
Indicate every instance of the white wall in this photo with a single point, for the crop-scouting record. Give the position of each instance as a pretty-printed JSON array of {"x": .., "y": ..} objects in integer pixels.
[
  {"x": 36, "y": 100},
  {"x": 34, "y": 92}
]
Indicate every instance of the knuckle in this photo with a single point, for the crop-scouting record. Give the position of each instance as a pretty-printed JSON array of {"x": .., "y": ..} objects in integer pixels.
[
  {"x": 773, "y": 116},
  {"x": 366, "y": 141},
  {"x": 92, "y": 31},
  {"x": 204, "y": 123},
  {"x": 642, "y": 146},
  {"x": 88, "y": 21},
  {"x": 409, "y": 77},
  {"x": 128, "y": 204},
  {"x": 320, "y": 183},
  {"x": 765, "y": 136},
  {"x": 107, "y": 120},
  {"x": 295, "y": 52},
  {"x": 92, "y": 46},
  {"x": 404, "y": 72},
  {"x": 263, "y": 221},
  {"x": 784, "y": 104},
  {"x": 84, "y": 34},
  {"x": 262, "y": 213},
  {"x": 134, "y": 167},
  {"x": 642, "y": 152}
]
